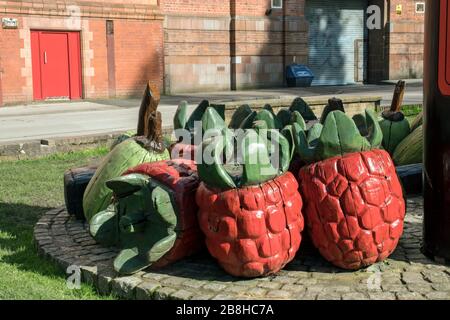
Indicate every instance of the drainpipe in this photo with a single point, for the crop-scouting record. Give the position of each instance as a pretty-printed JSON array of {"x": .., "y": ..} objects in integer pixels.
[
  {"x": 387, "y": 39},
  {"x": 233, "y": 62}
]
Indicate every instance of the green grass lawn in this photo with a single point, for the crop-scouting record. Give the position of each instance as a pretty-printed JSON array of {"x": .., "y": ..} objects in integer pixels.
[{"x": 29, "y": 188}]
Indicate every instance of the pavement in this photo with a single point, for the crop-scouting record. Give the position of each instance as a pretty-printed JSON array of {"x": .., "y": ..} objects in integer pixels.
[
  {"x": 405, "y": 275},
  {"x": 22, "y": 123}
]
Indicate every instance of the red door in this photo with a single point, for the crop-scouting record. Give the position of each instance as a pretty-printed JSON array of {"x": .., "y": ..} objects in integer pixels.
[{"x": 56, "y": 64}]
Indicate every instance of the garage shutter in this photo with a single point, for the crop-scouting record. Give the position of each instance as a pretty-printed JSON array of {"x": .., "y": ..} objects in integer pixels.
[{"x": 337, "y": 46}]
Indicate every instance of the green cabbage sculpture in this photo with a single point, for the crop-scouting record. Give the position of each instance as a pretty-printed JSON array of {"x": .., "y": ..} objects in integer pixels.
[
  {"x": 130, "y": 153},
  {"x": 123, "y": 137},
  {"x": 394, "y": 125},
  {"x": 410, "y": 150}
]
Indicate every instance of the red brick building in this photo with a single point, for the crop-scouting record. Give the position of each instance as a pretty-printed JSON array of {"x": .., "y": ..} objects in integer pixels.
[
  {"x": 111, "y": 48},
  {"x": 117, "y": 61}
]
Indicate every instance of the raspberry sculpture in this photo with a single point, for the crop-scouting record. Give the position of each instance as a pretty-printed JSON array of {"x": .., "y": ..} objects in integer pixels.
[
  {"x": 354, "y": 206},
  {"x": 250, "y": 212},
  {"x": 153, "y": 219}
]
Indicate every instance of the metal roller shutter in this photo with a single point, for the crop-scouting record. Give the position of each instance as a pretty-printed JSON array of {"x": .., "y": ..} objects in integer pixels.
[{"x": 337, "y": 46}]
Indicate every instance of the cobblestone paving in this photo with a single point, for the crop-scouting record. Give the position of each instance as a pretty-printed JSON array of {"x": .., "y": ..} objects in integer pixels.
[{"x": 407, "y": 274}]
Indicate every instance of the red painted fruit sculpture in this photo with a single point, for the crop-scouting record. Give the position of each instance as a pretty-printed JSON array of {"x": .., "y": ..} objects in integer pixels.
[
  {"x": 354, "y": 206},
  {"x": 153, "y": 219},
  {"x": 250, "y": 213}
]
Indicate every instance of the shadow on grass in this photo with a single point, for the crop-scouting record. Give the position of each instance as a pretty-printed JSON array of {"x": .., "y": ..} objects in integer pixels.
[{"x": 16, "y": 239}]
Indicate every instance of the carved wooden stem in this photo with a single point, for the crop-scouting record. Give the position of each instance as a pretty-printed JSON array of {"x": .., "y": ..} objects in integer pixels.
[
  {"x": 397, "y": 100},
  {"x": 155, "y": 135},
  {"x": 149, "y": 105},
  {"x": 149, "y": 130}
]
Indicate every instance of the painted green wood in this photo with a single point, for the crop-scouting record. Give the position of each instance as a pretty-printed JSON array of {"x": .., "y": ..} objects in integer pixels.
[
  {"x": 256, "y": 167},
  {"x": 103, "y": 227},
  {"x": 303, "y": 108},
  {"x": 197, "y": 115},
  {"x": 256, "y": 147},
  {"x": 128, "y": 154},
  {"x": 360, "y": 121},
  {"x": 375, "y": 135},
  {"x": 269, "y": 118},
  {"x": 142, "y": 222},
  {"x": 395, "y": 128},
  {"x": 269, "y": 108},
  {"x": 220, "y": 108},
  {"x": 248, "y": 121},
  {"x": 288, "y": 133},
  {"x": 334, "y": 104},
  {"x": 180, "y": 119},
  {"x": 417, "y": 122},
  {"x": 285, "y": 154},
  {"x": 314, "y": 134},
  {"x": 213, "y": 125},
  {"x": 306, "y": 152},
  {"x": 211, "y": 171},
  {"x": 123, "y": 137},
  {"x": 239, "y": 116},
  {"x": 298, "y": 119},
  {"x": 284, "y": 116},
  {"x": 338, "y": 136},
  {"x": 410, "y": 150},
  {"x": 212, "y": 120}
]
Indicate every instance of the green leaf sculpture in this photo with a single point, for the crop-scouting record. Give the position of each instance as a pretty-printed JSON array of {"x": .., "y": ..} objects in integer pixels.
[
  {"x": 304, "y": 109},
  {"x": 338, "y": 135},
  {"x": 256, "y": 147},
  {"x": 181, "y": 121},
  {"x": 239, "y": 116},
  {"x": 142, "y": 222}
]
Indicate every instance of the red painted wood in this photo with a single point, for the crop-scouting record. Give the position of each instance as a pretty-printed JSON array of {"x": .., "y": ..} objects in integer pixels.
[
  {"x": 252, "y": 231},
  {"x": 56, "y": 64},
  {"x": 36, "y": 65},
  {"x": 75, "y": 65},
  {"x": 55, "y": 76},
  {"x": 1, "y": 89},
  {"x": 354, "y": 207}
]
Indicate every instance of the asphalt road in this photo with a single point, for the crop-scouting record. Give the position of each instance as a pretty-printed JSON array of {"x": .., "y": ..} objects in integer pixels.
[{"x": 53, "y": 120}]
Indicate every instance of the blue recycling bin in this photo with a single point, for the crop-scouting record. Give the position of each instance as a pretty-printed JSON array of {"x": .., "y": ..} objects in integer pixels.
[{"x": 299, "y": 75}]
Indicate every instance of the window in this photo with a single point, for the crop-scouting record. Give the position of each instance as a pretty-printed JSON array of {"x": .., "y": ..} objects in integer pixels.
[
  {"x": 277, "y": 4},
  {"x": 420, "y": 7}
]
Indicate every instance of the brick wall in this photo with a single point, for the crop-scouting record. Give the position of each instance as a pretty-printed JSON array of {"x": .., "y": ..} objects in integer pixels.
[
  {"x": 219, "y": 45},
  {"x": 193, "y": 45},
  {"x": 138, "y": 58},
  {"x": 11, "y": 64},
  {"x": 406, "y": 41},
  {"x": 138, "y": 44},
  {"x": 265, "y": 43},
  {"x": 196, "y": 45}
]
